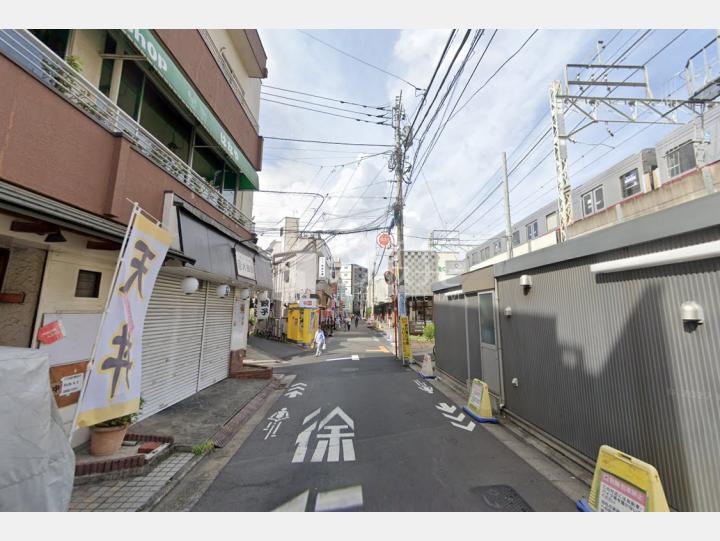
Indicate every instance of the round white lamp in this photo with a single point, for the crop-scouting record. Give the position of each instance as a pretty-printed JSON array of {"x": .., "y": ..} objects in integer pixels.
[
  {"x": 223, "y": 291},
  {"x": 245, "y": 294},
  {"x": 190, "y": 285}
]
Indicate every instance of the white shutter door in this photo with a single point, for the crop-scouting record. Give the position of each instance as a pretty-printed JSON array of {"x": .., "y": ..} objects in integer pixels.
[
  {"x": 215, "y": 363},
  {"x": 172, "y": 341}
]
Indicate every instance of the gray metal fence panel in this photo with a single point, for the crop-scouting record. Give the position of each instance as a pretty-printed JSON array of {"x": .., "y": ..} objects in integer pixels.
[
  {"x": 450, "y": 336},
  {"x": 606, "y": 359}
]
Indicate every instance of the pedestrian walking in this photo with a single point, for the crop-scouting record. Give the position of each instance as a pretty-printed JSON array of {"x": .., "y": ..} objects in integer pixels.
[
  {"x": 347, "y": 322},
  {"x": 357, "y": 320},
  {"x": 319, "y": 341}
]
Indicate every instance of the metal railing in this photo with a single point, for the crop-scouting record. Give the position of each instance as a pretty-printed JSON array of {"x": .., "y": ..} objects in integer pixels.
[
  {"x": 25, "y": 50},
  {"x": 230, "y": 76}
]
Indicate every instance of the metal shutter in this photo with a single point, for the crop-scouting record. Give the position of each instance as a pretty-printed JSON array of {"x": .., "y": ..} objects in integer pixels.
[
  {"x": 215, "y": 363},
  {"x": 172, "y": 341}
]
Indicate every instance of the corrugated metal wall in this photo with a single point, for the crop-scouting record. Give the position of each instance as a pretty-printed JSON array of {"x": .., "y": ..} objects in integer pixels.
[
  {"x": 606, "y": 360},
  {"x": 451, "y": 345}
]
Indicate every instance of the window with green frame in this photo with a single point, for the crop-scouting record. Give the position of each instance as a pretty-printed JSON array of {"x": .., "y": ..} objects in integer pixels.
[{"x": 140, "y": 98}]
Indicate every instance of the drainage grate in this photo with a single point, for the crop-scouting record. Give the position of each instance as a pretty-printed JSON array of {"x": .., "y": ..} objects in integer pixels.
[{"x": 502, "y": 498}]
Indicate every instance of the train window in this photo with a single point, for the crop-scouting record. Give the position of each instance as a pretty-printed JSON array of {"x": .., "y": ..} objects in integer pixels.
[
  {"x": 516, "y": 238},
  {"x": 532, "y": 230},
  {"x": 593, "y": 201},
  {"x": 630, "y": 183},
  {"x": 551, "y": 221},
  {"x": 681, "y": 159}
]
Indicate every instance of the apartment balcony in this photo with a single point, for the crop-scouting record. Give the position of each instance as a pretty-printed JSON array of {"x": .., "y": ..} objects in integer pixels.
[{"x": 34, "y": 58}]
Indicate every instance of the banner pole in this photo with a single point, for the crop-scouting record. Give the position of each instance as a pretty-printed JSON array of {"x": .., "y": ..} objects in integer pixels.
[{"x": 91, "y": 364}]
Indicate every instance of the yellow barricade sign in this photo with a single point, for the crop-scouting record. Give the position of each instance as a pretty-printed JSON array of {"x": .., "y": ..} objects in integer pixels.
[
  {"x": 478, "y": 406},
  {"x": 624, "y": 483},
  {"x": 405, "y": 330}
]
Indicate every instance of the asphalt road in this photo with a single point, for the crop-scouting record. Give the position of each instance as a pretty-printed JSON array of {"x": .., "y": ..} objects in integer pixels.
[{"x": 387, "y": 448}]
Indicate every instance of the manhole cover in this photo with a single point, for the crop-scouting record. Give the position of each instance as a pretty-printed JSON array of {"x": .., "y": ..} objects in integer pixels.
[{"x": 502, "y": 498}]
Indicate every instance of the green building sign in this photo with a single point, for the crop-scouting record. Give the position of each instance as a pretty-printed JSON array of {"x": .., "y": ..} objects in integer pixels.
[{"x": 155, "y": 53}]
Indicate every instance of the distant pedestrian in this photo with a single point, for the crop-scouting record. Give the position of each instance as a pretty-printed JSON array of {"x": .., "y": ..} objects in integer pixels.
[
  {"x": 347, "y": 322},
  {"x": 319, "y": 341},
  {"x": 357, "y": 320}
]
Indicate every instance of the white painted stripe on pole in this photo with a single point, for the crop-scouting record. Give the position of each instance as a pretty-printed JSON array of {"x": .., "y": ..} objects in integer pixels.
[
  {"x": 338, "y": 500},
  {"x": 297, "y": 504}
]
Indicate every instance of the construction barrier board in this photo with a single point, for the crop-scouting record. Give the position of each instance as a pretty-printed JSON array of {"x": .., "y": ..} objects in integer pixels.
[
  {"x": 624, "y": 483},
  {"x": 478, "y": 406},
  {"x": 405, "y": 330}
]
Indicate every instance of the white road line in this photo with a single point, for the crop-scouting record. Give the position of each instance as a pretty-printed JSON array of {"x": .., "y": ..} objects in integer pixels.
[
  {"x": 298, "y": 503},
  {"x": 470, "y": 427},
  {"x": 459, "y": 418},
  {"x": 355, "y": 357},
  {"x": 338, "y": 500},
  {"x": 320, "y": 451},
  {"x": 348, "y": 450}
]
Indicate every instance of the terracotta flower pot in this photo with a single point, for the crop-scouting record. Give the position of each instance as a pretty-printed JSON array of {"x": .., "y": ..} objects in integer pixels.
[{"x": 106, "y": 440}]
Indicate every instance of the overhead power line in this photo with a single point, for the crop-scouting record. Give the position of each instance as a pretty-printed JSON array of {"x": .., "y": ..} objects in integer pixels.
[
  {"x": 346, "y": 102},
  {"x": 359, "y": 59},
  {"x": 326, "y": 142},
  {"x": 372, "y": 115},
  {"x": 381, "y": 123}
]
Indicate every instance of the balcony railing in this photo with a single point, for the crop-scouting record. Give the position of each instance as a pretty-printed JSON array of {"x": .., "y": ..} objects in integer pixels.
[{"x": 25, "y": 50}]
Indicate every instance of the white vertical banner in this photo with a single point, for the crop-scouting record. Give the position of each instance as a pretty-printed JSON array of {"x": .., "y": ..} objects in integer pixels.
[
  {"x": 112, "y": 388},
  {"x": 321, "y": 267}
]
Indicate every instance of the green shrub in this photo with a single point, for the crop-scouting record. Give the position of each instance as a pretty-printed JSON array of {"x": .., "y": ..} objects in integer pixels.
[
  {"x": 429, "y": 331},
  {"x": 203, "y": 448}
]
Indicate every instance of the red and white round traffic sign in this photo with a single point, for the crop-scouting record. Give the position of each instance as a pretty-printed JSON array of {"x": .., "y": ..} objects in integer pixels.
[{"x": 384, "y": 239}]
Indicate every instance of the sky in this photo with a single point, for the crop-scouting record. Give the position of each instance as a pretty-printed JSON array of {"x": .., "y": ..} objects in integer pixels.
[{"x": 509, "y": 114}]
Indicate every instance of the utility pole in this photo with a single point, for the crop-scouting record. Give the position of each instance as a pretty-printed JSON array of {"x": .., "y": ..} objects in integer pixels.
[
  {"x": 399, "y": 159},
  {"x": 508, "y": 223}
]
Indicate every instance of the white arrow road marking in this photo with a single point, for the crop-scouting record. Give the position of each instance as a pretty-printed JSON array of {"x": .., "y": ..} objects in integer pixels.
[
  {"x": 423, "y": 386},
  {"x": 298, "y": 385},
  {"x": 294, "y": 393},
  {"x": 459, "y": 418},
  {"x": 298, "y": 503},
  {"x": 355, "y": 357},
  {"x": 340, "y": 500},
  {"x": 470, "y": 427},
  {"x": 445, "y": 407}
]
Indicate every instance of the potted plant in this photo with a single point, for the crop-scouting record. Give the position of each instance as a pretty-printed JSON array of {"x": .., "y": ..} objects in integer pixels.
[{"x": 106, "y": 438}]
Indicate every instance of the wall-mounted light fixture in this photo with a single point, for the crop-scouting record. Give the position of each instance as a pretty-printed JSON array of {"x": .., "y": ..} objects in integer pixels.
[
  {"x": 508, "y": 311},
  {"x": 691, "y": 312},
  {"x": 223, "y": 290},
  {"x": 526, "y": 281},
  {"x": 190, "y": 285}
]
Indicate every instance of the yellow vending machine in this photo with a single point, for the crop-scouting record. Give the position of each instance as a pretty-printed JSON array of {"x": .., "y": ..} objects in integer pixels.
[
  {"x": 309, "y": 320},
  {"x": 294, "y": 322}
]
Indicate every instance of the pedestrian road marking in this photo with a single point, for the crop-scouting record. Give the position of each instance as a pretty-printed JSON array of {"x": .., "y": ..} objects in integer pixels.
[
  {"x": 276, "y": 419},
  {"x": 446, "y": 407},
  {"x": 330, "y": 442},
  {"x": 448, "y": 410},
  {"x": 296, "y": 390},
  {"x": 423, "y": 386}
]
